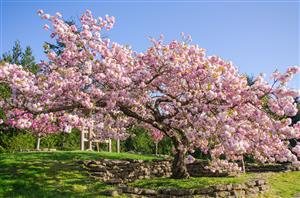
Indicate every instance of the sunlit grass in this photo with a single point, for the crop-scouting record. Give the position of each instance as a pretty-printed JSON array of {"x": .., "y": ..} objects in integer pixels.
[
  {"x": 193, "y": 182},
  {"x": 56, "y": 174},
  {"x": 284, "y": 184},
  {"x": 52, "y": 174}
]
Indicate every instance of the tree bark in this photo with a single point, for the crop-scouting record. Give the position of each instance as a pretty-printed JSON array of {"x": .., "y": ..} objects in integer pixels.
[{"x": 179, "y": 170}]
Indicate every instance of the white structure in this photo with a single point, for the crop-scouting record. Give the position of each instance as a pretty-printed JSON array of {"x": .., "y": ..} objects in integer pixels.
[{"x": 87, "y": 136}]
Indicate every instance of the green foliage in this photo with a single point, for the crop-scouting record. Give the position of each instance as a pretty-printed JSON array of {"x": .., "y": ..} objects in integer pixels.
[
  {"x": 15, "y": 140},
  {"x": 70, "y": 141},
  {"x": 250, "y": 79},
  {"x": 12, "y": 139},
  {"x": 6, "y": 57},
  {"x": 200, "y": 155},
  {"x": 28, "y": 60},
  {"x": 5, "y": 91},
  {"x": 51, "y": 141},
  {"x": 139, "y": 141},
  {"x": 22, "y": 141},
  {"x": 165, "y": 146},
  {"x": 17, "y": 56},
  {"x": 16, "y": 53}
]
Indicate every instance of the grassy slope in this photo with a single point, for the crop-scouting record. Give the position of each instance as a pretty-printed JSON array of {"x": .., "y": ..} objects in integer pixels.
[
  {"x": 284, "y": 184},
  {"x": 57, "y": 175},
  {"x": 194, "y": 182},
  {"x": 54, "y": 174}
]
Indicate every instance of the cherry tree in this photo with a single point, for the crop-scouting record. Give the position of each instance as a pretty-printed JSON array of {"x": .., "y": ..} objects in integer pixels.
[{"x": 198, "y": 101}]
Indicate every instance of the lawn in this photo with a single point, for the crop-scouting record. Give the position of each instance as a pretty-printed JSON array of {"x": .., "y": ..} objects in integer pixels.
[
  {"x": 193, "y": 182},
  {"x": 56, "y": 174},
  {"x": 284, "y": 184},
  {"x": 52, "y": 174}
]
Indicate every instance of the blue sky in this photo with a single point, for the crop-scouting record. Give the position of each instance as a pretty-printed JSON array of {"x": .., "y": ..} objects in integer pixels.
[{"x": 258, "y": 36}]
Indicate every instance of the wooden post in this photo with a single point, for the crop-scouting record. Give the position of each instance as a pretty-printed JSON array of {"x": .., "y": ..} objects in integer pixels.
[
  {"x": 90, "y": 138},
  {"x": 118, "y": 145},
  {"x": 82, "y": 140},
  {"x": 38, "y": 142},
  {"x": 243, "y": 164},
  {"x": 97, "y": 145},
  {"x": 109, "y": 145}
]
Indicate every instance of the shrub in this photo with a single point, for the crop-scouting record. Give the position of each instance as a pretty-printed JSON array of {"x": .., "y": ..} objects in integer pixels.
[
  {"x": 70, "y": 141},
  {"x": 139, "y": 141},
  {"x": 22, "y": 141},
  {"x": 12, "y": 139}
]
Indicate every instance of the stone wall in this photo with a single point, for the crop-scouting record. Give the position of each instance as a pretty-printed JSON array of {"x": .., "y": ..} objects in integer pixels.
[
  {"x": 197, "y": 169},
  {"x": 124, "y": 171},
  {"x": 257, "y": 168},
  {"x": 248, "y": 189}
]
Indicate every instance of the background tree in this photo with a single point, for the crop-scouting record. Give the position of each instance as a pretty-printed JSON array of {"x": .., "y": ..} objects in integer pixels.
[
  {"x": 28, "y": 60},
  {"x": 16, "y": 53},
  {"x": 19, "y": 57}
]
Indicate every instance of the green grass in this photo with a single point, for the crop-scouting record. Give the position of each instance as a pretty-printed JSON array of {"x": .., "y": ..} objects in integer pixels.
[
  {"x": 74, "y": 155},
  {"x": 284, "y": 184},
  {"x": 52, "y": 174},
  {"x": 193, "y": 182},
  {"x": 56, "y": 174}
]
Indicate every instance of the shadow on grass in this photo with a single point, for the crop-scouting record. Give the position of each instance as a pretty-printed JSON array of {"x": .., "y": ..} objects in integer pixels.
[{"x": 46, "y": 175}]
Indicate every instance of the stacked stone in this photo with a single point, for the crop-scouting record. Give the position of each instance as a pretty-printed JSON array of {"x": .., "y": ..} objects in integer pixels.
[
  {"x": 123, "y": 171},
  {"x": 198, "y": 169},
  {"x": 161, "y": 168},
  {"x": 266, "y": 168},
  {"x": 248, "y": 189}
]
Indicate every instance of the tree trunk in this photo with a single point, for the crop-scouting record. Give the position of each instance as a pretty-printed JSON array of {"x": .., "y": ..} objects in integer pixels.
[
  {"x": 156, "y": 148},
  {"x": 38, "y": 142},
  {"x": 179, "y": 170}
]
